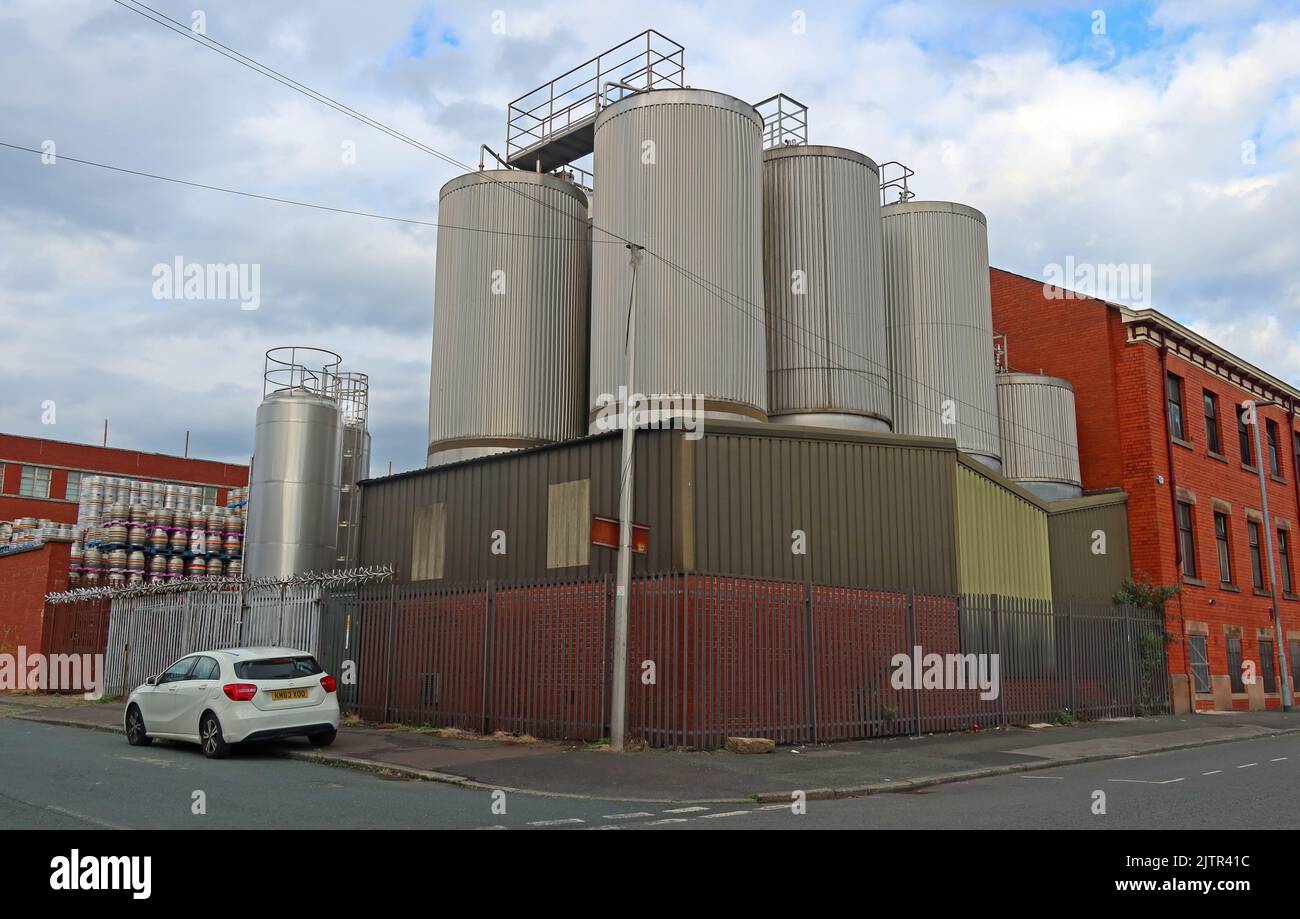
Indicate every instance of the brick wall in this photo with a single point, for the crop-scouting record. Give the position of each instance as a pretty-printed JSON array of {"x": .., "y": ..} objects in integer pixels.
[
  {"x": 25, "y": 579},
  {"x": 1120, "y": 402}
]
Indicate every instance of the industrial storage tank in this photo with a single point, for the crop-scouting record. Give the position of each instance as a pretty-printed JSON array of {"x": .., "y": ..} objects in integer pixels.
[
  {"x": 679, "y": 172},
  {"x": 510, "y": 323},
  {"x": 1040, "y": 440},
  {"x": 294, "y": 485},
  {"x": 941, "y": 325},
  {"x": 827, "y": 338}
]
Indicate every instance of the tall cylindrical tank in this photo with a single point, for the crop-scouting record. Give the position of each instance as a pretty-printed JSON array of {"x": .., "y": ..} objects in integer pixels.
[
  {"x": 511, "y": 303},
  {"x": 680, "y": 174},
  {"x": 295, "y": 482},
  {"x": 1040, "y": 441},
  {"x": 941, "y": 325},
  {"x": 827, "y": 338}
]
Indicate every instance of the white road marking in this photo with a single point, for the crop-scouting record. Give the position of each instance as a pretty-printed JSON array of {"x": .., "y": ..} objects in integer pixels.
[
  {"x": 668, "y": 820},
  {"x": 497, "y": 827},
  {"x": 1146, "y": 781},
  {"x": 606, "y": 827},
  {"x": 1214, "y": 772},
  {"x": 725, "y": 814},
  {"x": 1277, "y": 759},
  {"x": 631, "y": 816},
  {"x": 1247, "y": 765},
  {"x": 685, "y": 810},
  {"x": 561, "y": 822},
  {"x": 775, "y": 807}
]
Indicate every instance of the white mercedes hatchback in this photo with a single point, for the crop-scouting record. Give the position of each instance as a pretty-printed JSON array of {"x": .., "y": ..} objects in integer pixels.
[{"x": 238, "y": 695}]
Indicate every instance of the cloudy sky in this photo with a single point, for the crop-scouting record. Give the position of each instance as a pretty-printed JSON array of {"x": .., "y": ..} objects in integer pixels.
[{"x": 1165, "y": 134}]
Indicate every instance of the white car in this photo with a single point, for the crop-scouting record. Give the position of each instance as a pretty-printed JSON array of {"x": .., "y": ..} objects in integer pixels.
[{"x": 220, "y": 698}]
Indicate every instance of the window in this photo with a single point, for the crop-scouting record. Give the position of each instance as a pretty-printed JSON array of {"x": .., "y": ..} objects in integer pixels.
[
  {"x": 206, "y": 669},
  {"x": 210, "y": 495},
  {"x": 1274, "y": 454},
  {"x": 1243, "y": 438},
  {"x": 1284, "y": 556},
  {"x": 177, "y": 671},
  {"x": 277, "y": 668},
  {"x": 1174, "y": 389},
  {"x": 1200, "y": 662},
  {"x": 1225, "y": 553},
  {"x": 1213, "y": 440},
  {"x": 1256, "y": 558},
  {"x": 1293, "y": 659},
  {"x": 1186, "y": 539},
  {"x": 35, "y": 482},
  {"x": 73, "y": 492},
  {"x": 1267, "y": 670},
  {"x": 1234, "y": 665}
]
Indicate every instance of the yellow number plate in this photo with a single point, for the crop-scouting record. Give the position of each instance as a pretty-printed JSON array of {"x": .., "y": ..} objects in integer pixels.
[{"x": 282, "y": 694}]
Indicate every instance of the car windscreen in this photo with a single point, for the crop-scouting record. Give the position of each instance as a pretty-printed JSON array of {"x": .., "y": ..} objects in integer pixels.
[{"x": 277, "y": 668}]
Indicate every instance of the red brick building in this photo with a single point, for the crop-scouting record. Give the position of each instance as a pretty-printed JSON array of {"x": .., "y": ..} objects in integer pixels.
[
  {"x": 40, "y": 478},
  {"x": 1158, "y": 416}
]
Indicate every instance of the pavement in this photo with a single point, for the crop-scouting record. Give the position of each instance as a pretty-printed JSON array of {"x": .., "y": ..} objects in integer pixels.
[{"x": 839, "y": 770}]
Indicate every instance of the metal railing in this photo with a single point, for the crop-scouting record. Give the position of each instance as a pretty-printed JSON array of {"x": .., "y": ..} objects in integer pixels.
[
  {"x": 711, "y": 656},
  {"x": 899, "y": 182},
  {"x": 574, "y": 99},
  {"x": 785, "y": 121}
]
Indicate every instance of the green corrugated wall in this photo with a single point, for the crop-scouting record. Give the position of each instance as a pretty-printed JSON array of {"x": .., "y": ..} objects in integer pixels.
[{"x": 1002, "y": 540}]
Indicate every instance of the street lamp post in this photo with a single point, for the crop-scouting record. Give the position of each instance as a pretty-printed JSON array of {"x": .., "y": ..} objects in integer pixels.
[{"x": 1253, "y": 408}]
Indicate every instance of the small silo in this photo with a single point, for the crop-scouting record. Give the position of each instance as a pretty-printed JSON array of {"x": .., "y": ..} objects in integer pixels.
[
  {"x": 295, "y": 483},
  {"x": 510, "y": 314},
  {"x": 679, "y": 171},
  {"x": 941, "y": 325},
  {"x": 827, "y": 339},
  {"x": 1040, "y": 440}
]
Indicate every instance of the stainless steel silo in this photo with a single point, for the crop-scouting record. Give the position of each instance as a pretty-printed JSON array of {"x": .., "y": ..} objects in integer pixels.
[
  {"x": 511, "y": 302},
  {"x": 827, "y": 337},
  {"x": 1040, "y": 440},
  {"x": 679, "y": 172},
  {"x": 941, "y": 324},
  {"x": 294, "y": 487}
]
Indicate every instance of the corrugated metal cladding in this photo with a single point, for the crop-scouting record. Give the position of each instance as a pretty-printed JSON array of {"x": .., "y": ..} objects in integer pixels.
[
  {"x": 1040, "y": 442},
  {"x": 941, "y": 324},
  {"x": 680, "y": 173},
  {"x": 510, "y": 323},
  {"x": 876, "y": 513},
  {"x": 827, "y": 340},
  {"x": 1002, "y": 539},
  {"x": 1090, "y": 547},
  {"x": 511, "y": 493}
]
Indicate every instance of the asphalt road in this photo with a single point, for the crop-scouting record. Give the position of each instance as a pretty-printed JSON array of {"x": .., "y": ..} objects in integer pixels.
[{"x": 70, "y": 778}]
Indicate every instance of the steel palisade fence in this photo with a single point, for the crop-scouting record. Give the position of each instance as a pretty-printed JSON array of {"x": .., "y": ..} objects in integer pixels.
[
  {"x": 713, "y": 656},
  {"x": 146, "y": 634}
]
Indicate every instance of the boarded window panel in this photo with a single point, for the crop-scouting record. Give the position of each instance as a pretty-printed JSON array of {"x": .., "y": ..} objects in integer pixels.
[
  {"x": 568, "y": 524},
  {"x": 429, "y": 545}
]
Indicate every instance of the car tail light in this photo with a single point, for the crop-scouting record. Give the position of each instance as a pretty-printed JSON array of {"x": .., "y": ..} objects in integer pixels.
[
  {"x": 239, "y": 692},
  {"x": 328, "y": 684}
]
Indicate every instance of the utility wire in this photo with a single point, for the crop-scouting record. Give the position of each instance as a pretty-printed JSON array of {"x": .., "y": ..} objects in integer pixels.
[{"x": 173, "y": 25}]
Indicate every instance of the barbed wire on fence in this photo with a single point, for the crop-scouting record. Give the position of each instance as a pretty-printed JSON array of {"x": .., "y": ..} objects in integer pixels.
[{"x": 349, "y": 577}]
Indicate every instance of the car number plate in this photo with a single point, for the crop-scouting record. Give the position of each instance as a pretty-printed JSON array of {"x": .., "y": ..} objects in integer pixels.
[{"x": 280, "y": 695}]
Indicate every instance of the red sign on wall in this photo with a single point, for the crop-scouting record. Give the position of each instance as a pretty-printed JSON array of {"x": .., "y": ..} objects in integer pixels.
[{"x": 604, "y": 532}]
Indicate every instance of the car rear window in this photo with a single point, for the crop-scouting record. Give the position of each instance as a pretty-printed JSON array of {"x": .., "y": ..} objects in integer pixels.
[{"x": 277, "y": 668}]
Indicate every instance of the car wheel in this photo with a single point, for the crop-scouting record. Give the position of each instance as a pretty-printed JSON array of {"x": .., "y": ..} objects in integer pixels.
[
  {"x": 214, "y": 745},
  {"x": 323, "y": 739},
  {"x": 135, "y": 730}
]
